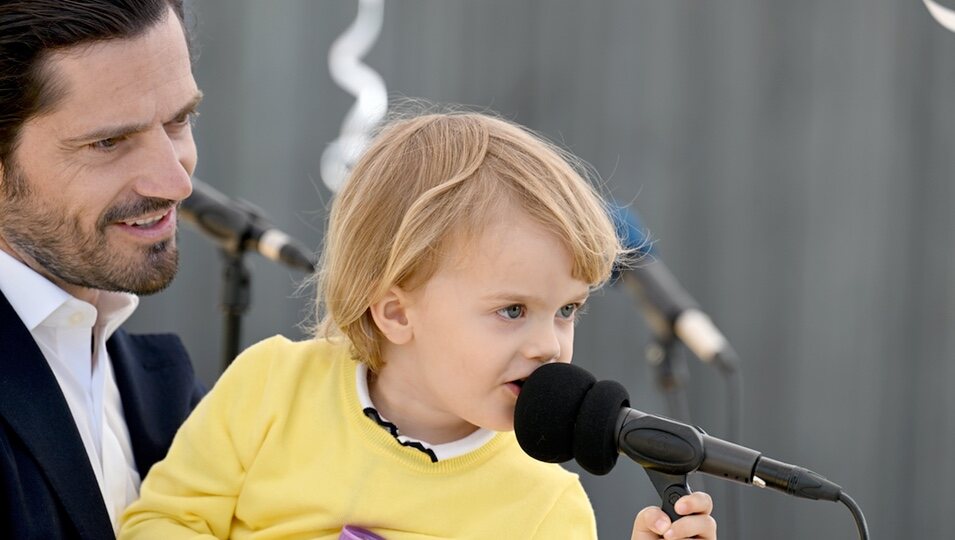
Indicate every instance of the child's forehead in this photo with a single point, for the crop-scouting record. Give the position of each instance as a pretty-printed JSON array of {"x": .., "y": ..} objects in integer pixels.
[
  {"x": 514, "y": 260},
  {"x": 504, "y": 240},
  {"x": 484, "y": 233}
]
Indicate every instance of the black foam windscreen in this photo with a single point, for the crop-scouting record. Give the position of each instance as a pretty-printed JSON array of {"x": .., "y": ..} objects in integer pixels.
[
  {"x": 595, "y": 431},
  {"x": 547, "y": 408}
]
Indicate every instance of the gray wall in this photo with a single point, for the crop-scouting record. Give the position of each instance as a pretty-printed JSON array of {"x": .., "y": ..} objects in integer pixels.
[{"x": 794, "y": 160}]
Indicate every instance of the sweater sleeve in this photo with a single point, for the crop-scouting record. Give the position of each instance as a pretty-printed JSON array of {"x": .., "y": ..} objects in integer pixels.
[
  {"x": 192, "y": 493},
  {"x": 572, "y": 516}
]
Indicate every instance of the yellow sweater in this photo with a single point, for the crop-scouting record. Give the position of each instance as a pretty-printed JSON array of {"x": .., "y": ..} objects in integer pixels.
[{"x": 281, "y": 449}]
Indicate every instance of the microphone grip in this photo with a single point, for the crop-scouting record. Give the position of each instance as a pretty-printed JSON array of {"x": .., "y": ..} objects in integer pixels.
[
  {"x": 728, "y": 460},
  {"x": 214, "y": 216},
  {"x": 661, "y": 289}
]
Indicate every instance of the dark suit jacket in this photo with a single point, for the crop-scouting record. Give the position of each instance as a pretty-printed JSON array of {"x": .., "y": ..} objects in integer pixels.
[{"x": 47, "y": 486}]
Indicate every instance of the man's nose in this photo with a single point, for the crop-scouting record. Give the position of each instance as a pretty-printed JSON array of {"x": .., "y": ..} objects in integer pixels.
[{"x": 167, "y": 167}]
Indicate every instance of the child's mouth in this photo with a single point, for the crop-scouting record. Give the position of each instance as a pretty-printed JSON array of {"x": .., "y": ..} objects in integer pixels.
[{"x": 516, "y": 386}]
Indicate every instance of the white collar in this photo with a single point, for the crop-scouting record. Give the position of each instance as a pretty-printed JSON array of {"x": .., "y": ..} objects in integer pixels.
[
  {"x": 35, "y": 298},
  {"x": 441, "y": 451}
]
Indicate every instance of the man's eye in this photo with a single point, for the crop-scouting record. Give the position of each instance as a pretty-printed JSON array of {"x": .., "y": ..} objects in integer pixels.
[
  {"x": 511, "y": 312},
  {"x": 105, "y": 144}
]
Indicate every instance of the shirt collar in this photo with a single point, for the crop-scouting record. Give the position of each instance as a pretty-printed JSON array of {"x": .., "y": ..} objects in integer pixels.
[
  {"x": 438, "y": 452},
  {"x": 35, "y": 298}
]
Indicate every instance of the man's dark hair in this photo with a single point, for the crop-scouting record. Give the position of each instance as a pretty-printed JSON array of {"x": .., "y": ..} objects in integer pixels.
[{"x": 30, "y": 30}]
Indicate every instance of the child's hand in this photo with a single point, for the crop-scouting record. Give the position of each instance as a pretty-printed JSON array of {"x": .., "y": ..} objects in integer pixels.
[{"x": 653, "y": 524}]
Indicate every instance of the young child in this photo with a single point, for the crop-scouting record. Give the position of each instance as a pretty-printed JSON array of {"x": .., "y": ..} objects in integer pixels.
[{"x": 458, "y": 255}]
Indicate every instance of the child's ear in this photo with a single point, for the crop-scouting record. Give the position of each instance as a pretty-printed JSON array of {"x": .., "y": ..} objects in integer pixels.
[{"x": 391, "y": 317}]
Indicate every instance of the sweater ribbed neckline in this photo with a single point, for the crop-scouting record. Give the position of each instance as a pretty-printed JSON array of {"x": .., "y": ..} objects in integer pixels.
[{"x": 385, "y": 444}]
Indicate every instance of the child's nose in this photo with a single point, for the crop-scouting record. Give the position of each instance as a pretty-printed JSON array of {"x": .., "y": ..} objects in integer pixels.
[{"x": 543, "y": 344}]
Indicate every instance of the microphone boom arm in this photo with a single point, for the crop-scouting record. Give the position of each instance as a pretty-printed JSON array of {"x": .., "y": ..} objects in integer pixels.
[{"x": 669, "y": 450}]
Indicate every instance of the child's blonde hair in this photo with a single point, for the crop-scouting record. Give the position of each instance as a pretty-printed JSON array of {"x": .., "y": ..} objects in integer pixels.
[{"x": 433, "y": 180}]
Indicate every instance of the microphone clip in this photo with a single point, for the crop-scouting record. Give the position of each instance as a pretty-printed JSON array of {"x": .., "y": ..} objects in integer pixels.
[
  {"x": 671, "y": 488},
  {"x": 666, "y": 451}
]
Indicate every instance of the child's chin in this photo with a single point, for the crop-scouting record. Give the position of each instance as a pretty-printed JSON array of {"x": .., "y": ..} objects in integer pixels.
[{"x": 504, "y": 424}]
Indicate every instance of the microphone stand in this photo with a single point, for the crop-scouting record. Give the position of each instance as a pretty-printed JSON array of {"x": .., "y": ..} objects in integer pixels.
[
  {"x": 238, "y": 226},
  {"x": 671, "y": 376},
  {"x": 236, "y": 295}
]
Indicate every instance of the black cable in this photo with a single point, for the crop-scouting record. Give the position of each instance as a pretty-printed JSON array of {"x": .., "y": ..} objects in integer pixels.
[
  {"x": 845, "y": 499},
  {"x": 734, "y": 395},
  {"x": 728, "y": 364}
]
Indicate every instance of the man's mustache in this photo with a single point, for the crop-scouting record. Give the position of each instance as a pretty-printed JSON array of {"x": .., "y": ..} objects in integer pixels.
[{"x": 134, "y": 209}]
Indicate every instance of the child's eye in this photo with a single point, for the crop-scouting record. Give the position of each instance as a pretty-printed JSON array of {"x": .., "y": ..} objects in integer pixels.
[
  {"x": 511, "y": 312},
  {"x": 185, "y": 119},
  {"x": 568, "y": 311}
]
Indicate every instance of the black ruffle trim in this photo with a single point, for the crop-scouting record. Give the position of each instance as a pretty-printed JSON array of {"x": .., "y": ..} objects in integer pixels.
[{"x": 370, "y": 412}]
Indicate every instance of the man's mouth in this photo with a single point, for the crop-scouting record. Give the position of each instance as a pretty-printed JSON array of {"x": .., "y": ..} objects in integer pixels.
[
  {"x": 148, "y": 221},
  {"x": 149, "y": 227}
]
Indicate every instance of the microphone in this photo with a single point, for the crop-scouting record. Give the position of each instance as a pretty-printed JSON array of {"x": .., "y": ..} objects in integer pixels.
[
  {"x": 669, "y": 309},
  {"x": 562, "y": 412},
  {"x": 237, "y": 225}
]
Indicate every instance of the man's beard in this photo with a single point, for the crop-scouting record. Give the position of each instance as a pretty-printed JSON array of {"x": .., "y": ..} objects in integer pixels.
[{"x": 63, "y": 250}]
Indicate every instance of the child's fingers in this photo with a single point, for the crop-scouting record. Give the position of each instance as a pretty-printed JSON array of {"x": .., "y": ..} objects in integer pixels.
[
  {"x": 695, "y": 526},
  {"x": 697, "y": 521},
  {"x": 694, "y": 503},
  {"x": 650, "y": 524}
]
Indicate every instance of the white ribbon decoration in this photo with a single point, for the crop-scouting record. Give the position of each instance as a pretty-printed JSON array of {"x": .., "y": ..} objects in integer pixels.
[
  {"x": 371, "y": 96},
  {"x": 942, "y": 14}
]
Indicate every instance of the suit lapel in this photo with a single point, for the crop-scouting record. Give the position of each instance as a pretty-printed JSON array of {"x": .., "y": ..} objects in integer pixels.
[
  {"x": 156, "y": 385},
  {"x": 130, "y": 375},
  {"x": 33, "y": 405}
]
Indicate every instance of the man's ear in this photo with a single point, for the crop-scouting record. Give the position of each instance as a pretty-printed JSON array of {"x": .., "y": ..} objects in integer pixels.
[{"x": 390, "y": 314}]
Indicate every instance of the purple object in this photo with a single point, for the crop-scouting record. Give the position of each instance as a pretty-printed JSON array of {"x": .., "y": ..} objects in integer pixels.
[{"x": 351, "y": 532}]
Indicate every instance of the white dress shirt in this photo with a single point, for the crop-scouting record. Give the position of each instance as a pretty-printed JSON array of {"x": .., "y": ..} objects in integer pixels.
[{"x": 72, "y": 335}]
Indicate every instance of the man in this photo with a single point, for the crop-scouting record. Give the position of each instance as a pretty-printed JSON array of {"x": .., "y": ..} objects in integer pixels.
[{"x": 96, "y": 152}]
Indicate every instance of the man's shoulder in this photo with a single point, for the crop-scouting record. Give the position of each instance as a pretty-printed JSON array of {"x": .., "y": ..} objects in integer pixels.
[
  {"x": 154, "y": 375},
  {"x": 152, "y": 351}
]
